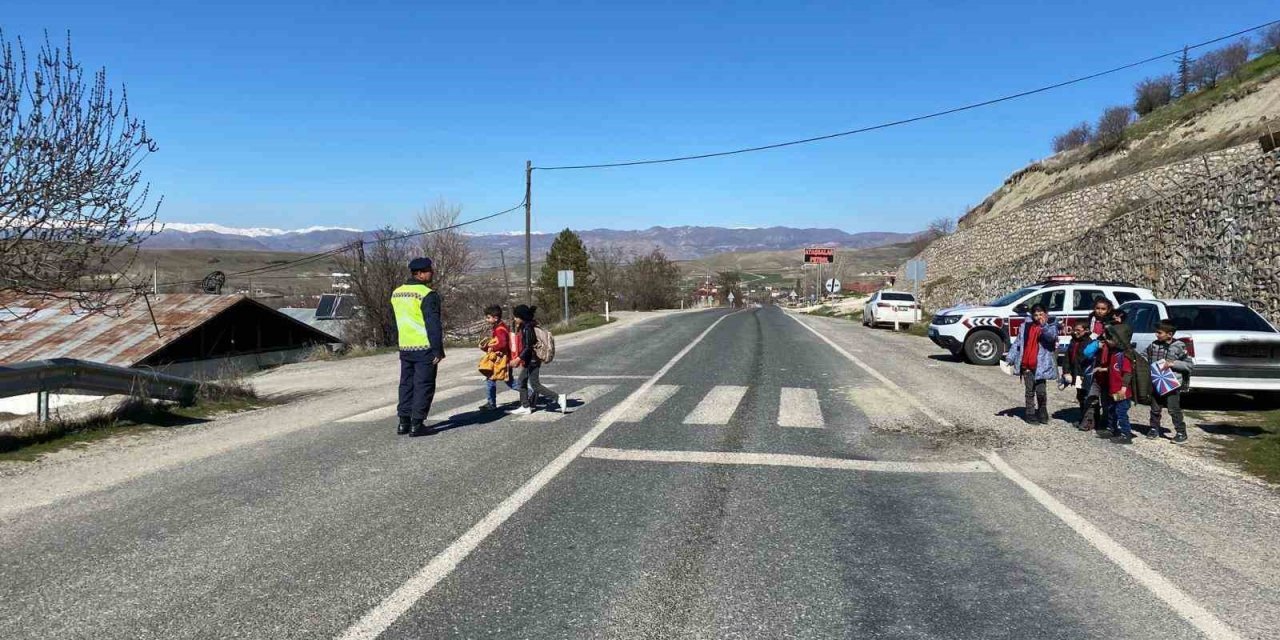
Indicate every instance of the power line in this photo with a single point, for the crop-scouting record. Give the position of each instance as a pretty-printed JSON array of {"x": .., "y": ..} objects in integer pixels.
[{"x": 936, "y": 114}]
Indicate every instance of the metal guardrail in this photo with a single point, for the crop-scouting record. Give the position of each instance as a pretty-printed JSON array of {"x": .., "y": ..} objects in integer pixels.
[{"x": 93, "y": 378}]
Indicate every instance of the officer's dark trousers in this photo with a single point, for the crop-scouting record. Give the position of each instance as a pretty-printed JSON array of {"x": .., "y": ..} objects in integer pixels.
[{"x": 417, "y": 384}]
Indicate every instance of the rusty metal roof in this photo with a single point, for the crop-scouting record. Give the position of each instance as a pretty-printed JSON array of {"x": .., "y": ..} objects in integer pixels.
[{"x": 59, "y": 329}]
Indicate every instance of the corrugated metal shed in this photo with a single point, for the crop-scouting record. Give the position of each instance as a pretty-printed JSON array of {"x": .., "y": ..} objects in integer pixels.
[{"x": 58, "y": 329}]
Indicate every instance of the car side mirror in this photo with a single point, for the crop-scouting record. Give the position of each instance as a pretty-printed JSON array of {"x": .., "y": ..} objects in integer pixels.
[{"x": 1020, "y": 309}]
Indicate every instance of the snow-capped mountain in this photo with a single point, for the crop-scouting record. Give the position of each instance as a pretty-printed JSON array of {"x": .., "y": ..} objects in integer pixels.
[{"x": 679, "y": 243}]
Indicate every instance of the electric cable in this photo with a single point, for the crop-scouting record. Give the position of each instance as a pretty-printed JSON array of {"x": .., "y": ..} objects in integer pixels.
[{"x": 928, "y": 116}]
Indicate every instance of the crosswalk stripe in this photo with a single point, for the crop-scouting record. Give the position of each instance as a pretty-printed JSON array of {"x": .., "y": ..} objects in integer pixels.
[
  {"x": 717, "y": 406},
  {"x": 644, "y": 405},
  {"x": 582, "y": 396},
  {"x": 382, "y": 413},
  {"x": 798, "y": 407}
]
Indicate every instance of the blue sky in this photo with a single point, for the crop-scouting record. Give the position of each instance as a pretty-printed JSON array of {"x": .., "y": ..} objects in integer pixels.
[{"x": 358, "y": 114}]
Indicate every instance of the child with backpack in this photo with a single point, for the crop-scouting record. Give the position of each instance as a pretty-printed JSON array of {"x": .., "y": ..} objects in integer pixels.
[
  {"x": 530, "y": 360},
  {"x": 1119, "y": 384},
  {"x": 497, "y": 349},
  {"x": 1168, "y": 354},
  {"x": 1074, "y": 373}
]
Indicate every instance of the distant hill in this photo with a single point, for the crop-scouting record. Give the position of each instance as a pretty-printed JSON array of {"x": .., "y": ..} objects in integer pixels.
[{"x": 679, "y": 243}]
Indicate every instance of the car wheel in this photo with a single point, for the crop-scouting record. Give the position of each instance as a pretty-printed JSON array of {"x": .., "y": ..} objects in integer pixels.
[{"x": 983, "y": 348}]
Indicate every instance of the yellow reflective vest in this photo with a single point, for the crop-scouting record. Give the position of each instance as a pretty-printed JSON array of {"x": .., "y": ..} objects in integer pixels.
[{"x": 411, "y": 327}]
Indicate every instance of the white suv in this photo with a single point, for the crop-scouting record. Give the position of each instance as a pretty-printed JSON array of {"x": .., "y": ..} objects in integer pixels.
[
  {"x": 983, "y": 334},
  {"x": 888, "y": 307},
  {"x": 1233, "y": 348}
]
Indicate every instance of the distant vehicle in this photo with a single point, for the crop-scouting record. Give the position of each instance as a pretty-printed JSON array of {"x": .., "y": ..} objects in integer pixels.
[
  {"x": 888, "y": 307},
  {"x": 1234, "y": 348},
  {"x": 982, "y": 334}
]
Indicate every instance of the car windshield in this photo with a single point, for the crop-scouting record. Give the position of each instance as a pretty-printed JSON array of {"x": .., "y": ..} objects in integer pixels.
[
  {"x": 1217, "y": 318},
  {"x": 1010, "y": 298},
  {"x": 906, "y": 297}
]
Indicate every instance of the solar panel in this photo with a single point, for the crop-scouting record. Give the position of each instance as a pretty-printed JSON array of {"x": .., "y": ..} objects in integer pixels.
[{"x": 334, "y": 307}]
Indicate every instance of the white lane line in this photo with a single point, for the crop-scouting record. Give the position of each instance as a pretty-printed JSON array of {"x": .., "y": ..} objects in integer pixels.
[
  {"x": 878, "y": 376},
  {"x": 382, "y": 413},
  {"x": 799, "y": 407},
  {"x": 1178, "y": 600},
  {"x": 1187, "y": 608},
  {"x": 785, "y": 460},
  {"x": 614, "y": 377},
  {"x": 582, "y": 396},
  {"x": 373, "y": 623},
  {"x": 659, "y": 394},
  {"x": 717, "y": 406}
]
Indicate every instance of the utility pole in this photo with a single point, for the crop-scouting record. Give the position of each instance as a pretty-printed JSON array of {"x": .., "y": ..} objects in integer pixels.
[
  {"x": 155, "y": 278},
  {"x": 506, "y": 284},
  {"x": 528, "y": 229}
]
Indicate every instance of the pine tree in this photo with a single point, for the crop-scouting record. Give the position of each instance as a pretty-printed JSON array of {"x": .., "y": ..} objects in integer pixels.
[
  {"x": 1184, "y": 73},
  {"x": 567, "y": 252}
]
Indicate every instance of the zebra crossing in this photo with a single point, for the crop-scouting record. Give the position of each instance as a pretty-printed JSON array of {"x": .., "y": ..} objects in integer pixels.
[{"x": 797, "y": 407}]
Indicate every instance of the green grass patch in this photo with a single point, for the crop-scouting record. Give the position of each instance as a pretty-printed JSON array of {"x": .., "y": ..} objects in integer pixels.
[
  {"x": 580, "y": 322},
  {"x": 1259, "y": 454}
]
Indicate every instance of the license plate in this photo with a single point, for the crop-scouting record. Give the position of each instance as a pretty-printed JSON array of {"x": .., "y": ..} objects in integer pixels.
[
  {"x": 900, "y": 308},
  {"x": 1247, "y": 350}
]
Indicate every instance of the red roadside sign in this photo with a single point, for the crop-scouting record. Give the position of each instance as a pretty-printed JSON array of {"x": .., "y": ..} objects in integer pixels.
[{"x": 819, "y": 254}]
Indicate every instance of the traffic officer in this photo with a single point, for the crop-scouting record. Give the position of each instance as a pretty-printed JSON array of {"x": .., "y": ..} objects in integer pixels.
[{"x": 418, "y": 332}]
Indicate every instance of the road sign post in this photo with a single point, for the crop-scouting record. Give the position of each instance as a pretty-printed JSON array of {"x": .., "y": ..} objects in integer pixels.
[
  {"x": 916, "y": 271},
  {"x": 833, "y": 286},
  {"x": 564, "y": 278},
  {"x": 731, "y": 299}
]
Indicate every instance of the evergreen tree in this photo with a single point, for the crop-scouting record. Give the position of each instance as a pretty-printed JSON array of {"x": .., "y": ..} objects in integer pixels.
[
  {"x": 1184, "y": 73},
  {"x": 567, "y": 252}
]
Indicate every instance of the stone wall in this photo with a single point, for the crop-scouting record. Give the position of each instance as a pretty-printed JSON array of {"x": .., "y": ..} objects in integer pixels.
[
  {"x": 1218, "y": 238},
  {"x": 1008, "y": 235}
]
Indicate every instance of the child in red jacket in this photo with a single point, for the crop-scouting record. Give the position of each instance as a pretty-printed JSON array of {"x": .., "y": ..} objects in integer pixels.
[
  {"x": 1119, "y": 386},
  {"x": 498, "y": 342}
]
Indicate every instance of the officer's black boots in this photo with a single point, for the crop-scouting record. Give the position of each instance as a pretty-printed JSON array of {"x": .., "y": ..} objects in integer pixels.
[
  {"x": 419, "y": 429},
  {"x": 404, "y": 426}
]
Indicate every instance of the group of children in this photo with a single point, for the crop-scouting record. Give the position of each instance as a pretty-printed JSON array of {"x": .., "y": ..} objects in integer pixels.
[
  {"x": 515, "y": 355},
  {"x": 1101, "y": 364}
]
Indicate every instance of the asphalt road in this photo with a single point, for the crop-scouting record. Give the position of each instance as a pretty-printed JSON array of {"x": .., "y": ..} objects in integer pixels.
[{"x": 721, "y": 475}]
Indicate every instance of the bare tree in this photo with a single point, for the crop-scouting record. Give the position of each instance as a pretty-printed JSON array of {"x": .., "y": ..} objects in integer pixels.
[
  {"x": 1111, "y": 125},
  {"x": 1152, "y": 93},
  {"x": 73, "y": 207},
  {"x": 448, "y": 248},
  {"x": 652, "y": 282},
  {"x": 1073, "y": 138},
  {"x": 1234, "y": 56},
  {"x": 608, "y": 263},
  {"x": 1268, "y": 40},
  {"x": 1207, "y": 69},
  {"x": 942, "y": 227},
  {"x": 377, "y": 267}
]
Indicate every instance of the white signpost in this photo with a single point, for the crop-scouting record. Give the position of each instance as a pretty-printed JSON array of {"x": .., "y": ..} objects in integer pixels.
[
  {"x": 915, "y": 271},
  {"x": 564, "y": 278},
  {"x": 833, "y": 286}
]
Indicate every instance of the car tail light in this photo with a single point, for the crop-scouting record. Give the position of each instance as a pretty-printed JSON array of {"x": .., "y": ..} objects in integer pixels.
[
  {"x": 1190, "y": 345},
  {"x": 883, "y": 305}
]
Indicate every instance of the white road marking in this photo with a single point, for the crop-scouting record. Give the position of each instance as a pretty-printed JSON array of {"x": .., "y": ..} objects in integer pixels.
[
  {"x": 382, "y": 413},
  {"x": 799, "y": 407},
  {"x": 785, "y": 460},
  {"x": 582, "y": 396},
  {"x": 659, "y": 394},
  {"x": 717, "y": 406},
  {"x": 878, "y": 376},
  {"x": 1177, "y": 599},
  {"x": 613, "y": 377},
  {"x": 373, "y": 623}
]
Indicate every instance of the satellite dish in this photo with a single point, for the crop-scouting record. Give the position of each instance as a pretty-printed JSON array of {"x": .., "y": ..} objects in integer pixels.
[{"x": 213, "y": 282}]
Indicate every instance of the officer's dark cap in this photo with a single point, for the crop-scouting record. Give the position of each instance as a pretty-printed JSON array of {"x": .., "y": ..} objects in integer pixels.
[{"x": 419, "y": 264}]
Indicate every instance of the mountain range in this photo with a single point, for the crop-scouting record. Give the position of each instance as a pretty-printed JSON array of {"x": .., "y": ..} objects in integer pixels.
[{"x": 679, "y": 243}]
